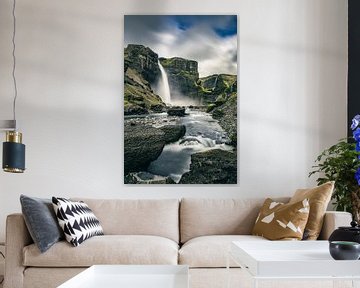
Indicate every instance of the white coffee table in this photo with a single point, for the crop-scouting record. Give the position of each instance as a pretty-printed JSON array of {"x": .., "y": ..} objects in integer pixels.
[
  {"x": 285, "y": 260},
  {"x": 131, "y": 276}
]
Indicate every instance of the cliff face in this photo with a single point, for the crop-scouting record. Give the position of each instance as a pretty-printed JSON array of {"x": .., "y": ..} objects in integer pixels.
[
  {"x": 176, "y": 65},
  {"x": 220, "y": 93},
  {"x": 143, "y": 60},
  {"x": 217, "y": 85},
  {"x": 226, "y": 113},
  {"x": 184, "y": 80},
  {"x": 182, "y": 75},
  {"x": 141, "y": 69}
]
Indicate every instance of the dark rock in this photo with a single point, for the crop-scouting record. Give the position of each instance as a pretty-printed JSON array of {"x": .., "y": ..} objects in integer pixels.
[
  {"x": 143, "y": 60},
  {"x": 130, "y": 179},
  {"x": 142, "y": 144},
  {"x": 200, "y": 108},
  {"x": 233, "y": 87},
  {"x": 135, "y": 110},
  {"x": 147, "y": 178},
  {"x": 226, "y": 114},
  {"x": 169, "y": 180},
  {"x": 173, "y": 132},
  {"x": 212, "y": 167},
  {"x": 218, "y": 113},
  {"x": 158, "y": 108},
  {"x": 176, "y": 111}
]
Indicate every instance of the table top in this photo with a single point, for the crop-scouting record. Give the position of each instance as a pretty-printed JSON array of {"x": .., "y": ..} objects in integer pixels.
[
  {"x": 291, "y": 259},
  {"x": 131, "y": 276}
]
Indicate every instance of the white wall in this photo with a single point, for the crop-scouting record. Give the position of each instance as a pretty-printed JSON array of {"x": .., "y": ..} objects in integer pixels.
[{"x": 292, "y": 94}]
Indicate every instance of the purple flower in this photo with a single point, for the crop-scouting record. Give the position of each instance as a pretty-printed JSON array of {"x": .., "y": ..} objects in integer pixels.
[
  {"x": 355, "y": 122},
  {"x": 357, "y": 147},
  {"x": 356, "y": 134},
  {"x": 357, "y": 176}
]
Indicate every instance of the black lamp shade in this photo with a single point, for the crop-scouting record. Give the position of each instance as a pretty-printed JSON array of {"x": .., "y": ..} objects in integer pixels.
[{"x": 13, "y": 157}]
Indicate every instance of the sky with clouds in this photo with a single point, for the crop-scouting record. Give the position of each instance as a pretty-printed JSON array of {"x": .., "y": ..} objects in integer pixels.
[{"x": 209, "y": 39}]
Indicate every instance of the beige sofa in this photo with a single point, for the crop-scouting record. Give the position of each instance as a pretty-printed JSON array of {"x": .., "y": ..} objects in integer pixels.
[{"x": 194, "y": 232}]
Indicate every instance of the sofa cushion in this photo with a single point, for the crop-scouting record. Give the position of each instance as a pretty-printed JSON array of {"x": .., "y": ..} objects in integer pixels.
[
  {"x": 107, "y": 249},
  {"x": 211, "y": 251},
  {"x": 201, "y": 217},
  {"x": 158, "y": 217}
]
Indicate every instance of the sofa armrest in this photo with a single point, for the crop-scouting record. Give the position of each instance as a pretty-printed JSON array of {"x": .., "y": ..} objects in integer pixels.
[
  {"x": 17, "y": 237},
  {"x": 333, "y": 220}
]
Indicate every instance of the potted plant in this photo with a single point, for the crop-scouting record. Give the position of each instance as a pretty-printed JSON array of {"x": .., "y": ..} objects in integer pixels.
[{"x": 341, "y": 163}]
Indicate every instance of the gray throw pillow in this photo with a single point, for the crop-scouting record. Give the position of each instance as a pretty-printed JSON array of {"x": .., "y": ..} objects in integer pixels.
[{"x": 41, "y": 221}]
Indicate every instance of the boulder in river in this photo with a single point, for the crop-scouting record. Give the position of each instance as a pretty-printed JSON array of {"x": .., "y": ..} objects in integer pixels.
[
  {"x": 142, "y": 144},
  {"x": 176, "y": 111},
  {"x": 212, "y": 167},
  {"x": 173, "y": 132}
]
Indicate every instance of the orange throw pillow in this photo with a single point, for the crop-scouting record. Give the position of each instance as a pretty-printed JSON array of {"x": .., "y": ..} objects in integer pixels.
[
  {"x": 319, "y": 198},
  {"x": 279, "y": 221}
]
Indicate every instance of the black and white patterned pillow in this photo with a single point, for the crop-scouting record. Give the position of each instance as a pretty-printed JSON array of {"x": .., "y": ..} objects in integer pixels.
[{"x": 77, "y": 220}]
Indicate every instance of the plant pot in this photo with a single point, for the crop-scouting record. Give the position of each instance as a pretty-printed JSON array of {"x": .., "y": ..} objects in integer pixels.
[
  {"x": 343, "y": 250},
  {"x": 350, "y": 234}
]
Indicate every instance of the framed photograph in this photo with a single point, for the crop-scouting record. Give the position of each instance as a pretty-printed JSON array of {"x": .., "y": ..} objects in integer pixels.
[{"x": 180, "y": 99}]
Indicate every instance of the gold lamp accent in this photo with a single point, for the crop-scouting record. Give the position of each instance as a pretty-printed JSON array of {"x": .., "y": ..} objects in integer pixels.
[{"x": 14, "y": 136}]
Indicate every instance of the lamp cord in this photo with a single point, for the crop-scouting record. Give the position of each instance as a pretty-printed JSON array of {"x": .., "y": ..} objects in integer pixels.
[{"x": 14, "y": 61}]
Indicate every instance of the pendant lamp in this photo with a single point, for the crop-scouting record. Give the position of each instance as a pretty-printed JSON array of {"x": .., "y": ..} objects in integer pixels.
[{"x": 13, "y": 160}]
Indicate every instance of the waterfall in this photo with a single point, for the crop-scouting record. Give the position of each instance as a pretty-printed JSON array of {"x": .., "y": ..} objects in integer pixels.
[
  {"x": 164, "y": 90},
  {"x": 215, "y": 82}
]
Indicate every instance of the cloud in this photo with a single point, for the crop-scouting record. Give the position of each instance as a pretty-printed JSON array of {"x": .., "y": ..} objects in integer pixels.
[{"x": 210, "y": 40}]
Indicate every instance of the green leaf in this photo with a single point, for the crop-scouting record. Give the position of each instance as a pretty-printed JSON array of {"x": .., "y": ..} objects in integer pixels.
[{"x": 338, "y": 163}]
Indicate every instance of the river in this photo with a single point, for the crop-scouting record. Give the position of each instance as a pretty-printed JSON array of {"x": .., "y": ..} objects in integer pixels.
[{"x": 202, "y": 133}]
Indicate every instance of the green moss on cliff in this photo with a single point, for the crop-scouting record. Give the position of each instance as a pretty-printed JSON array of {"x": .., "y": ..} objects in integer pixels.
[
  {"x": 141, "y": 101},
  {"x": 166, "y": 62},
  {"x": 138, "y": 95}
]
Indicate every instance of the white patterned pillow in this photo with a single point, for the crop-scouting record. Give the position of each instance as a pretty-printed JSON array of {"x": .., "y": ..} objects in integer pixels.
[{"x": 77, "y": 220}]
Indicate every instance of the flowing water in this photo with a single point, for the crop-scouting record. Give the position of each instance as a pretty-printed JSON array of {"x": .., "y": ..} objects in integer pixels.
[
  {"x": 202, "y": 133},
  {"x": 164, "y": 89}
]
